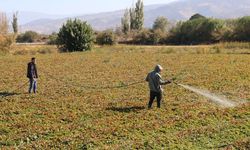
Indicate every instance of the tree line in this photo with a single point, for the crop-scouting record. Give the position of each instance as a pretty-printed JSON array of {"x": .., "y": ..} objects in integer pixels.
[{"x": 197, "y": 30}]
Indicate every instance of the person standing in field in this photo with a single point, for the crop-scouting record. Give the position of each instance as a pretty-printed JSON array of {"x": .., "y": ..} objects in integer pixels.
[
  {"x": 32, "y": 75},
  {"x": 155, "y": 81}
]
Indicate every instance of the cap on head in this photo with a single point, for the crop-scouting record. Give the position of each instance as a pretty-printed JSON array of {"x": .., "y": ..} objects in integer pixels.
[{"x": 158, "y": 68}]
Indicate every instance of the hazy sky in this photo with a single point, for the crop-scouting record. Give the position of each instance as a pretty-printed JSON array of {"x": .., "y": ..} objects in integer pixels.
[{"x": 70, "y": 6}]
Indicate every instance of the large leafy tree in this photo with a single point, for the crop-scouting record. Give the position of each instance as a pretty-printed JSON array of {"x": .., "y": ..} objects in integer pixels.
[
  {"x": 196, "y": 31},
  {"x": 75, "y": 35},
  {"x": 242, "y": 29},
  {"x": 161, "y": 23}
]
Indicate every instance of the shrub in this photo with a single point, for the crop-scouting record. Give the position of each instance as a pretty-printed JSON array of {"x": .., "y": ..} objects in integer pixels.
[
  {"x": 143, "y": 37},
  {"x": 21, "y": 52},
  {"x": 28, "y": 37},
  {"x": 45, "y": 51},
  {"x": 6, "y": 39},
  {"x": 52, "y": 40},
  {"x": 75, "y": 35},
  {"x": 149, "y": 37},
  {"x": 106, "y": 38},
  {"x": 5, "y": 43}
]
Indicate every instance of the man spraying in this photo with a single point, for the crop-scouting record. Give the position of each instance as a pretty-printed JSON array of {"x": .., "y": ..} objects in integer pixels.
[
  {"x": 32, "y": 75},
  {"x": 155, "y": 81}
]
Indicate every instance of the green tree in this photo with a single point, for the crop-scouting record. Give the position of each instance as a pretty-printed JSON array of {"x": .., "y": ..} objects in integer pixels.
[
  {"x": 132, "y": 18},
  {"x": 161, "y": 23},
  {"x": 197, "y": 16},
  {"x": 242, "y": 29},
  {"x": 227, "y": 32},
  {"x": 125, "y": 21},
  {"x": 75, "y": 35},
  {"x": 137, "y": 16},
  {"x": 15, "y": 23},
  {"x": 196, "y": 31}
]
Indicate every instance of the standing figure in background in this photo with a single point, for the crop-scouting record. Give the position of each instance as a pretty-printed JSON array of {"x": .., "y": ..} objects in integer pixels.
[
  {"x": 155, "y": 81},
  {"x": 32, "y": 75}
]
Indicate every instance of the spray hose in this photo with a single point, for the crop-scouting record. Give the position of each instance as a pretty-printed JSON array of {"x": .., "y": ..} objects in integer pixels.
[{"x": 121, "y": 85}]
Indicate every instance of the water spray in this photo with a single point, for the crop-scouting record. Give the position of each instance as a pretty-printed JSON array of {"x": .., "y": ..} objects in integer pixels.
[{"x": 220, "y": 100}]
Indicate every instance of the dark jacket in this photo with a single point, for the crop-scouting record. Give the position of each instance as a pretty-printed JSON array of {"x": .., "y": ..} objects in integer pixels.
[{"x": 32, "y": 73}]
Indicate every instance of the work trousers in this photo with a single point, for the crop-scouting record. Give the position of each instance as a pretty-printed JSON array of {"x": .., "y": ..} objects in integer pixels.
[{"x": 153, "y": 95}]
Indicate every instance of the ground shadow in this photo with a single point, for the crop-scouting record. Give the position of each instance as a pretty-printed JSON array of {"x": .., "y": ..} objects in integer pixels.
[
  {"x": 245, "y": 53},
  {"x": 126, "y": 109},
  {"x": 7, "y": 94}
]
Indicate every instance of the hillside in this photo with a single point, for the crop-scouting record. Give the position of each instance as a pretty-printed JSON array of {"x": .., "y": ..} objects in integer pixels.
[{"x": 179, "y": 10}]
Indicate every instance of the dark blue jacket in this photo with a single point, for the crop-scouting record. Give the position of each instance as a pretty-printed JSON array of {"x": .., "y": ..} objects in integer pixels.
[{"x": 29, "y": 70}]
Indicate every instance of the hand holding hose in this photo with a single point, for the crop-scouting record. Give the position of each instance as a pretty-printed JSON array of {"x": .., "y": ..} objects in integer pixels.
[{"x": 172, "y": 80}]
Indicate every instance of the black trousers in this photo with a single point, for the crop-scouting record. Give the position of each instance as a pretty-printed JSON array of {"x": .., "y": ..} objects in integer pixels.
[{"x": 153, "y": 95}]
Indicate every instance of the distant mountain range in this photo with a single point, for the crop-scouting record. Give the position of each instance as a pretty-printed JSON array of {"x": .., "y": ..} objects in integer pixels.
[{"x": 178, "y": 10}]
